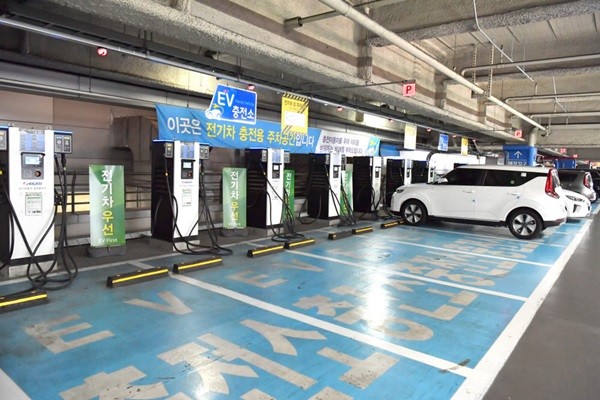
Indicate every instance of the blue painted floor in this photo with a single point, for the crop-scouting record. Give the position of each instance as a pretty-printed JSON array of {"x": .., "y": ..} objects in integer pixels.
[{"x": 404, "y": 313}]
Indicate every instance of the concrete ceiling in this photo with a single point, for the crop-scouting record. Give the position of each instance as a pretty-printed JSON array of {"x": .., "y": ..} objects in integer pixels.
[{"x": 336, "y": 61}]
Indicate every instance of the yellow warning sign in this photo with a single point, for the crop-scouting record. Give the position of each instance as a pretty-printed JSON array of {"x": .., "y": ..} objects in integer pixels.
[
  {"x": 464, "y": 146},
  {"x": 294, "y": 114}
]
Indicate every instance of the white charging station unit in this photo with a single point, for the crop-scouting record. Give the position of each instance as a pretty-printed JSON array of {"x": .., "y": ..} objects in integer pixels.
[
  {"x": 376, "y": 176},
  {"x": 186, "y": 174},
  {"x": 31, "y": 192},
  {"x": 335, "y": 184},
  {"x": 275, "y": 166}
]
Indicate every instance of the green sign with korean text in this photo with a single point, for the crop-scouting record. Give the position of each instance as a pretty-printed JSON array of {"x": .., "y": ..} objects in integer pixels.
[
  {"x": 288, "y": 186},
  {"x": 347, "y": 186},
  {"x": 107, "y": 205},
  {"x": 234, "y": 198}
]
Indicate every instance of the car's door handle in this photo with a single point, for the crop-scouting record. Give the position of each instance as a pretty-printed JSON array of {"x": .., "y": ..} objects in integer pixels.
[
  {"x": 468, "y": 191},
  {"x": 514, "y": 193}
]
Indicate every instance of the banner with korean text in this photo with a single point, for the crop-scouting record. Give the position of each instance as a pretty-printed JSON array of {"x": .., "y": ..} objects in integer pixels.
[
  {"x": 464, "y": 146},
  {"x": 190, "y": 125},
  {"x": 347, "y": 143},
  {"x": 107, "y": 205},
  {"x": 410, "y": 136},
  {"x": 234, "y": 198},
  {"x": 294, "y": 113}
]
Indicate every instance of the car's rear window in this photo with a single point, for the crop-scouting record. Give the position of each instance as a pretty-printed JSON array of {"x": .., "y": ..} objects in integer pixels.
[
  {"x": 508, "y": 178},
  {"x": 567, "y": 177}
]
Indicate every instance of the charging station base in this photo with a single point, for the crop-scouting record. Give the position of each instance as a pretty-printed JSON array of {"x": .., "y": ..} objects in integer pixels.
[
  {"x": 96, "y": 252},
  {"x": 241, "y": 232}
]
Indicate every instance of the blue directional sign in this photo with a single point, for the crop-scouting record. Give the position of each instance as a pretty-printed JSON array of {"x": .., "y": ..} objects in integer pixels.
[
  {"x": 443, "y": 142},
  {"x": 233, "y": 105},
  {"x": 520, "y": 154}
]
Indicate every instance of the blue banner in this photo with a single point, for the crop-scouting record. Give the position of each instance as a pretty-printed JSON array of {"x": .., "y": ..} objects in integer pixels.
[
  {"x": 232, "y": 105},
  {"x": 190, "y": 125}
]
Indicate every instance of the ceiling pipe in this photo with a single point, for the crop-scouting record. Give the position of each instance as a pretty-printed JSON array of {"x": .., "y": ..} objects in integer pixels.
[
  {"x": 566, "y": 97},
  {"x": 297, "y": 22},
  {"x": 545, "y": 61},
  {"x": 567, "y": 115},
  {"x": 346, "y": 10},
  {"x": 494, "y": 43}
]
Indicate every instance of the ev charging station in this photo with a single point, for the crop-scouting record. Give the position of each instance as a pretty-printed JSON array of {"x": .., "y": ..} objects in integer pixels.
[
  {"x": 366, "y": 182},
  {"x": 421, "y": 173},
  {"x": 325, "y": 182},
  {"x": 175, "y": 187},
  {"x": 265, "y": 187},
  {"x": 398, "y": 172},
  {"x": 26, "y": 231}
]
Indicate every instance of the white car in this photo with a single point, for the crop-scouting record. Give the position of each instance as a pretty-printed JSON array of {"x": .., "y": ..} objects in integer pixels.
[
  {"x": 578, "y": 206},
  {"x": 526, "y": 199}
]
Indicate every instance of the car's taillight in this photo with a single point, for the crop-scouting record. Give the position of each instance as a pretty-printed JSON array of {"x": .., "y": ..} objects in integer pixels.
[
  {"x": 550, "y": 189},
  {"x": 586, "y": 181}
]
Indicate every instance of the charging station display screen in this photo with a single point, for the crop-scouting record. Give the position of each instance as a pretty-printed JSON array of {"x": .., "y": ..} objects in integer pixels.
[
  {"x": 32, "y": 160},
  {"x": 187, "y": 164},
  {"x": 33, "y": 141}
]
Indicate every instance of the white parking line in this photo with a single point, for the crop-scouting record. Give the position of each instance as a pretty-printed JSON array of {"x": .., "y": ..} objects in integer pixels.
[
  {"x": 490, "y": 365},
  {"x": 504, "y": 239},
  {"x": 466, "y": 252},
  {"x": 10, "y": 390},
  {"x": 411, "y": 276},
  {"x": 441, "y": 364}
]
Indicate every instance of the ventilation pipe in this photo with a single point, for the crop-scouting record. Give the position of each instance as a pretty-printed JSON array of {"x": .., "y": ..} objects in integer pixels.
[{"x": 346, "y": 10}]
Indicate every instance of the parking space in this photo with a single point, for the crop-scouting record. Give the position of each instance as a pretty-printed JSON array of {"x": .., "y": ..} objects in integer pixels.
[{"x": 407, "y": 313}]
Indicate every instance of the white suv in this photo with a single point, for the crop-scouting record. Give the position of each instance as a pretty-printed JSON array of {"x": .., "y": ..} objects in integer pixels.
[{"x": 527, "y": 199}]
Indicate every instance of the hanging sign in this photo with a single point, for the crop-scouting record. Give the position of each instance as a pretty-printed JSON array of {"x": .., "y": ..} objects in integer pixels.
[
  {"x": 464, "y": 146},
  {"x": 518, "y": 133},
  {"x": 190, "y": 125},
  {"x": 107, "y": 205},
  {"x": 410, "y": 136},
  {"x": 349, "y": 144},
  {"x": 233, "y": 105},
  {"x": 443, "y": 142},
  {"x": 409, "y": 88},
  {"x": 234, "y": 198},
  {"x": 294, "y": 114}
]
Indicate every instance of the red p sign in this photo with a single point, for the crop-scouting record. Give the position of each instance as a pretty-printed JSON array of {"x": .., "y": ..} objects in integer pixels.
[
  {"x": 409, "y": 89},
  {"x": 518, "y": 133}
]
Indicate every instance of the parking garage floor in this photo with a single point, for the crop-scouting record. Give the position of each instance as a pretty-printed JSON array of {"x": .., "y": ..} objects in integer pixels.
[{"x": 429, "y": 312}]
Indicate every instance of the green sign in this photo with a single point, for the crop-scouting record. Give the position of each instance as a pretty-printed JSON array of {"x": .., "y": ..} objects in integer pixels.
[
  {"x": 347, "y": 186},
  {"x": 288, "y": 186},
  {"x": 107, "y": 205},
  {"x": 234, "y": 198}
]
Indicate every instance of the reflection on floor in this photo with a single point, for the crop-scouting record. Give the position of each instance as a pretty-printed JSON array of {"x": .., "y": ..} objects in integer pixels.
[{"x": 404, "y": 313}]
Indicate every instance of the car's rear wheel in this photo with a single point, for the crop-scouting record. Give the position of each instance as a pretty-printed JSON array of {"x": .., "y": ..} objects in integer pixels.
[
  {"x": 524, "y": 224},
  {"x": 413, "y": 212}
]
